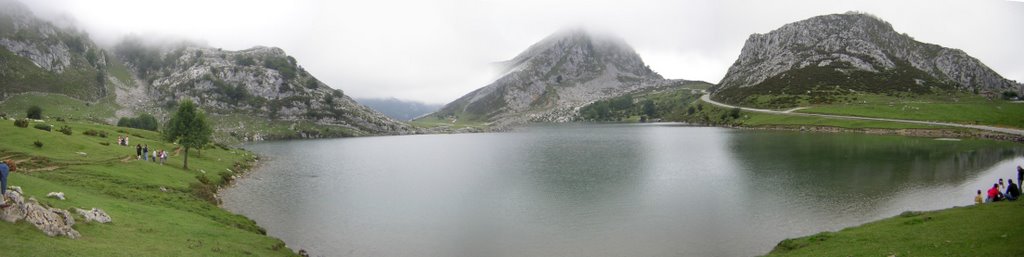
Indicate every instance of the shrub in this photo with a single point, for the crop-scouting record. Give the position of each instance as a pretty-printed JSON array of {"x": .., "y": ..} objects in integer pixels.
[
  {"x": 204, "y": 191},
  {"x": 95, "y": 133},
  {"x": 143, "y": 121},
  {"x": 38, "y": 144},
  {"x": 42, "y": 126},
  {"x": 21, "y": 123},
  {"x": 203, "y": 179},
  {"x": 105, "y": 143},
  {"x": 60, "y": 119},
  {"x": 34, "y": 112},
  {"x": 3, "y": 115},
  {"x": 225, "y": 177},
  {"x": 65, "y": 129}
]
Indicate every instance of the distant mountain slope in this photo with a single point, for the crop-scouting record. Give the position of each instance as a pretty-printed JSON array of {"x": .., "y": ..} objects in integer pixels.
[
  {"x": 38, "y": 56},
  {"x": 257, "y": 93},
  {"x": 553, "y": 78},
  {"x": 399, "y": 109},
  {"x": 833, "y": 54},
  {"x": 262, "y": 83}
]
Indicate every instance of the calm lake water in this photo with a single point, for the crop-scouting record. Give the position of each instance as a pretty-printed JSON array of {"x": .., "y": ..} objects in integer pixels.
[{"x": 600, "y": 190}]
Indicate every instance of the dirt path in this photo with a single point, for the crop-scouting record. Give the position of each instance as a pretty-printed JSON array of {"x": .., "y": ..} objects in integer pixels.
[{"x": 707, "y": 98}]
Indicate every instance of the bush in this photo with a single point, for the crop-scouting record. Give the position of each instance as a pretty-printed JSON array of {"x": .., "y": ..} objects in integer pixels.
[
  {"x": 21, "y": 123},
  {"x": 65, "y": 129},
  {"x": 34, "y": 112},
  {"x": 203, "y": 179},
  {"x": 42, "y": 126},
  {"x": 105, "y": 143},
  {"x": 225, "y": 177},
  {"x": 143, "y": 121},
  {"x": 205, "y": 191},
  {"x": 38, "y": 144},
  {"x": 95, "y": 133}
]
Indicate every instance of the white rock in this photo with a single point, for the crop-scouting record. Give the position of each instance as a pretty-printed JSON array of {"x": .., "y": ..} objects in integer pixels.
[
  {"x": 58, "y": 195},
  {"x": 94, "y": 215}
]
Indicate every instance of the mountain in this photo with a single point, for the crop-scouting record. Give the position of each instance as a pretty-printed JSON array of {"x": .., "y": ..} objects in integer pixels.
[
  {"x": 38, "y": 56},
  {"x": 262, "y": 83},
  {"x": 399, "y": 109},
  {"x": 551, "y": 79},
  {"x": 253, "y": 94},
  {"x": 835, "y": 54}
]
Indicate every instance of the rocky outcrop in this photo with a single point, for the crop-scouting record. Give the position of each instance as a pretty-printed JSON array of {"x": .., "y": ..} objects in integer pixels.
[
  {"x": 553, "y": 78},
  {"x": 51, "y": 221},
  {"x": 855, "y": 51},
  {"x": 261, "y": 82},
  {"x": 56, "y": 59}
]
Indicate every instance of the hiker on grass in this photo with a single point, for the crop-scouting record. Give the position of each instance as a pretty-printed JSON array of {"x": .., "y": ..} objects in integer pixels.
[
  {"x": 5, "y": 168},
  {"x": 145, "y": 152},
  {"x": 977, "y": 198},
  {"x": 138, "y": 152},
  {"x": 1012, "y": 191},
  {"x": 163, "y": 156}
]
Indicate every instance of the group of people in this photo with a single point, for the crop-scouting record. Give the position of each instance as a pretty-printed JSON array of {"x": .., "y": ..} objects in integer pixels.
[
  {"x": 142, "y": 153},
  {"x": 122, "y": 140},
  {"x": 1001, "y": 192}
]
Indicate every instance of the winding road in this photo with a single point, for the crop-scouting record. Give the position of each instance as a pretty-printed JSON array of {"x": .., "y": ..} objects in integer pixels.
[{"x": 707, "y": 98}]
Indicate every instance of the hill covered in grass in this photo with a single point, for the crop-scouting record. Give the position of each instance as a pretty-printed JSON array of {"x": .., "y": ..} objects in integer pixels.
[{"x": 156, "y": 209}]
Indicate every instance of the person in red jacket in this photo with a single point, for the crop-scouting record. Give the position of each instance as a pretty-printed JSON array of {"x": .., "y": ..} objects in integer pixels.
[{"x": 993, "y": 193}]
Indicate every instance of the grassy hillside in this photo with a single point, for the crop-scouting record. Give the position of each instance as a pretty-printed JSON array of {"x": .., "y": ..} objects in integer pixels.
[
  {"x": 995, "y": 229},
  {"x": 958, "y": 108},
  {"x": 157, "y": 209}
]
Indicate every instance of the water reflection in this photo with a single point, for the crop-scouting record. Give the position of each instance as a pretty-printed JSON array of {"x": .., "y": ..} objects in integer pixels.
[{"x": 599, "y": 190}]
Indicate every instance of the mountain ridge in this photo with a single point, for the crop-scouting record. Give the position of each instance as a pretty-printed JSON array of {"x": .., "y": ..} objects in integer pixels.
[{"x": 863, "y": 48}]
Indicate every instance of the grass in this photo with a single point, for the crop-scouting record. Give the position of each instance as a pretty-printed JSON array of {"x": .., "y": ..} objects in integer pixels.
[
  {"x": 957, "y": 108},
  {"x": 57, "y": 105},
  {"x": 432, "y": 121},
  {"x": 146, "y": 219},
  {"x": 753, "y": 119},
  {"x": 994, "y": 229}
]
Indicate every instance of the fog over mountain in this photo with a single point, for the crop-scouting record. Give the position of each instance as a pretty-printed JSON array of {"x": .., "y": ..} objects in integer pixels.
[
  {"x": 435, "y": 51},
  {"x": 399, "y": 109}
]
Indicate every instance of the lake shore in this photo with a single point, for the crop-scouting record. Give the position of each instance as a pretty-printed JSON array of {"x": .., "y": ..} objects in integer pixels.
[{"x": 991, "y": 229}]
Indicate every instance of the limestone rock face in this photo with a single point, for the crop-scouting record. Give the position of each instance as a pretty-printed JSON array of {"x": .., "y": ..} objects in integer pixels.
[
  {"x": 260, "y": 82},
  {"x": 51, "y": 221},
  {"x": 553, "y": 78},
  {"x": 852, "y": 44}
]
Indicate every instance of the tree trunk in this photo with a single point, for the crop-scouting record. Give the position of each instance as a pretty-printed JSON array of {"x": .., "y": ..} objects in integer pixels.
[{"x": 186, "y": 158}]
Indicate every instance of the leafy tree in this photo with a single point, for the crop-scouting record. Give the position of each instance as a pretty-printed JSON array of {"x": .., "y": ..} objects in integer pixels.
[
  {"x": 188, "y": 127},
  {"x": 34, "y": 112},
  {"x": 649, "y": 108}
]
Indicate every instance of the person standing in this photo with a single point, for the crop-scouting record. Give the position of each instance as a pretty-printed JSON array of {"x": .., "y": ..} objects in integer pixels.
[
  {"x": 1020, "y": 177},
  {"x": 145, "y": 152},
  {"x": 5, "y": 168},
  {"x": 138, "y": 152}
]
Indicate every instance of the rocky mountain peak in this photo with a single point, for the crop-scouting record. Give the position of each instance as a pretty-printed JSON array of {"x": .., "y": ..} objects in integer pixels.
[
  {"x": 855, "y": 51},
  {"x": 551, "y": 79}
]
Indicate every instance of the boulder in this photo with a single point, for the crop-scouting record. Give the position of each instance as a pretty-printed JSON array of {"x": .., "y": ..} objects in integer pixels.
[
  {"x": 15, "y": 188},
  {"x": 16, "y": 210},
  {"x": 94, "y": 215},
  {"x": 58, "y": 195},
  {"x": 52, "y": 221}
]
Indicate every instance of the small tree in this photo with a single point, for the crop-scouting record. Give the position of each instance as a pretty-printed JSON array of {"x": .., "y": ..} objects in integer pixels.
[
  {"x": 188, "y": 127},
  {"x": 34, "y": 112}
]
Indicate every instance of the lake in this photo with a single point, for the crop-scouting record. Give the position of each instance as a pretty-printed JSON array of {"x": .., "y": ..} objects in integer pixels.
[{"x": 600, "y": 190}]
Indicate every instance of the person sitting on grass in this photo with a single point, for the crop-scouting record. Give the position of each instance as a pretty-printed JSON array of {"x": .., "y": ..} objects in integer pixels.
[
  {"x": 5, "y": 168},
  {"x": 1012, "y": 191},
  {"x": 993, "y": 194},
  {"x": 977, "y": 198}
]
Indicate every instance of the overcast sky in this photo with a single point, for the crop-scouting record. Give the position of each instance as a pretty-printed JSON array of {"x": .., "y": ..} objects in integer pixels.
[{"x": 436, "y": 51}]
